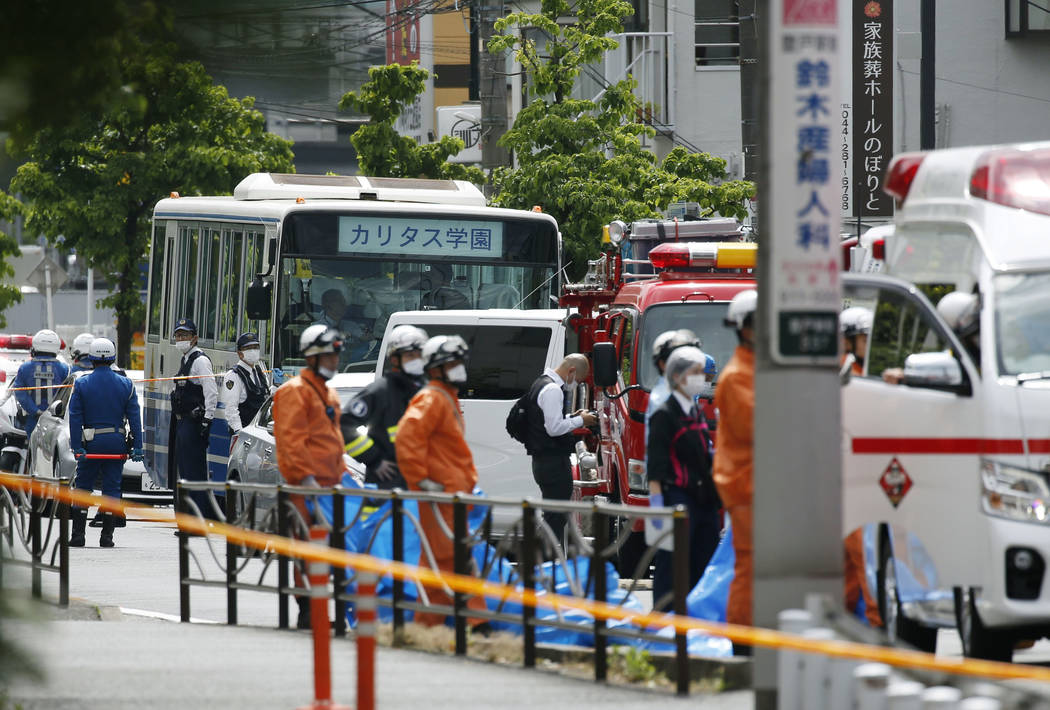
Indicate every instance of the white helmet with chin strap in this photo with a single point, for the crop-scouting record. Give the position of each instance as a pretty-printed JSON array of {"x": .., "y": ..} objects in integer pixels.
[
  {"x": 102, "y": 351},
  {"x": 81, "y": 346},
  {"x": 320, "y": 339},
  {"x": 406, "y": 339},
  {"x": 741, "y": 308},
  {"x": 46, "y": 342}
]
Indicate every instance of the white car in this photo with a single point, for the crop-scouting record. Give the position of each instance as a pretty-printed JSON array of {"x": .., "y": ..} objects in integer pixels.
[{"x": 253, "y": 456}]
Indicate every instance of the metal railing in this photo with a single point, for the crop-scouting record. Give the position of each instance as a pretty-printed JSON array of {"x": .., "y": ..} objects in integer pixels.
[
  {"x": 34, "y": 526},
  {"x": 529, "y": 538},
  {"x": 649, "y": 58}
]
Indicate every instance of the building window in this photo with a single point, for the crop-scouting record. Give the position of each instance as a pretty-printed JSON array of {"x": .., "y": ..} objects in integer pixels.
[
  {"x": 1027, "y": 16},
  {"x": 717, "y": 33}
]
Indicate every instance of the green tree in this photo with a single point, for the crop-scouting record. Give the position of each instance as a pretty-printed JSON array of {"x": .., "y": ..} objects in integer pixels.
[
  {"x": 583, "y": 160},
  {"x": 90, "y": 184},
  {"x": 381, "y": 150},
  {"x": 10, "y": 208}
]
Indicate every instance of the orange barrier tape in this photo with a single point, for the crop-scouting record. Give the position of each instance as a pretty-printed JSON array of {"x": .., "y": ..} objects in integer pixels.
[
  {"x": 147, "y": 379},
  {"x": 747, "y": 635}
]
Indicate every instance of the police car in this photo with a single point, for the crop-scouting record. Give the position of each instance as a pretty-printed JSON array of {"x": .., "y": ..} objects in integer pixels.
[{"x": 50, "y": 454}]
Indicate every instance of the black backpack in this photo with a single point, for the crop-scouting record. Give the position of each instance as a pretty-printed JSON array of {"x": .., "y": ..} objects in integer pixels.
[{"x": 518, "y": 419}]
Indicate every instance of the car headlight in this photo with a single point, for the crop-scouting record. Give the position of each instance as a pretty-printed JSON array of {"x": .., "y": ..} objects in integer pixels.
[{"x": 1014, "y": 493}]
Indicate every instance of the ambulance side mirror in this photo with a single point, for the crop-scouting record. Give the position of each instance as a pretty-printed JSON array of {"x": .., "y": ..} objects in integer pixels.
[
  {"x": 938, "y": 370},
  {"x": 604, "y": 362}
]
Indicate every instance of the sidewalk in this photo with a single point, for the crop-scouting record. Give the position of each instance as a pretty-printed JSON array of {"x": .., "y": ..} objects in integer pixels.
[{"x": 135, "y": 662}]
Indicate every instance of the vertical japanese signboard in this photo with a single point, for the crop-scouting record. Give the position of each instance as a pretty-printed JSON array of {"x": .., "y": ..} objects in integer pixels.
[
  {"x": 872, "y": 64},
  {"x": 804, "y": 115},
  {"x": 409, "y": 38}
]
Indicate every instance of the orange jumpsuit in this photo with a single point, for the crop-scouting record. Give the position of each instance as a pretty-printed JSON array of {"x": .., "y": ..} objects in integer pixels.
[
  {"x": 308, "y": 441},
  {"x": 855, "y": 579},
  {"x": 734, "y": 471},
  {"x": 430, "y": 444}
]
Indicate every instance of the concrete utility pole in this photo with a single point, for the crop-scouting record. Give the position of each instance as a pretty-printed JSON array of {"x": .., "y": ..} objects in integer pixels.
[
  {"x": 493, "y": 89},
  {"x": 797, "y": 486},
  {"x": 927, "y": 75},
  {"x": 749, "y": 81}
]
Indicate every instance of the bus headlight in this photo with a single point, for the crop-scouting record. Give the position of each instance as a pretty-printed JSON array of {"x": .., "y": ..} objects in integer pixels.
[{"x": 1014, "y": 493}]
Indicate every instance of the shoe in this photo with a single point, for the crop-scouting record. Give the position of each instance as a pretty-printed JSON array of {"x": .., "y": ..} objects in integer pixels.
[
  {"x": 106, "y": 539},
  {"x": 76, "y": 537}
]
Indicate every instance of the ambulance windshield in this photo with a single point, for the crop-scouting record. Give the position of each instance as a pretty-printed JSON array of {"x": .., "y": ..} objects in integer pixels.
[{"x": 1022, "y": 322}]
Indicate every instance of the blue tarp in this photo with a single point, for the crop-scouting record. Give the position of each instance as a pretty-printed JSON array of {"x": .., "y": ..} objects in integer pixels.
[{"x": 374, "y": 533}]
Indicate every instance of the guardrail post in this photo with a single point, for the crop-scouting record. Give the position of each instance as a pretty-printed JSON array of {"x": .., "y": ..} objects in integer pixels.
[
  {"x": 815, "y": 668},
  {"x": 680, "y": 589},
  {"x": 869, "y": 686},
  {"x": 34, "y": 542},
  {"x": 231, "y": 560},
  {"x": 789, "y": 663},
  {"x": 460, "y": 566},
  {"x": 904, "y": 695},
  {"x": 337, "y": 540},
  {"x": 282, "y": 561},
  {"x": 184, "y": 559},
  {"x": 941, "y": 697},
  {"x": 398, "y": 596},
  {"x": 526, "y": 567},
  {"x": 601, "y": 592},
  {"x": 366, "y": 640},
  {"x": 317, "y": 572},
  {"x": 63, "y": 552}
]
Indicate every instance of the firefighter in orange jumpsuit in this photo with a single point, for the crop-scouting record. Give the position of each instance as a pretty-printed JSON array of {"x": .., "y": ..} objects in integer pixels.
[
  {"x": 734, "y": 466},
  {"x": 306, "y": 427},
  {"x": 433, "y": 455}
]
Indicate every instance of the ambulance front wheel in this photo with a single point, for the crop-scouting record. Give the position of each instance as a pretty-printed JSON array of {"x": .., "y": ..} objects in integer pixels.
[
  {"x": 898, "y": 626},
  {"x": 978, "y": 641}
]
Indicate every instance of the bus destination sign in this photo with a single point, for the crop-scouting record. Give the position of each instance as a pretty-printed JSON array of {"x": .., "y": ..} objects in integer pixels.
[{"x": 420, "y": 237}]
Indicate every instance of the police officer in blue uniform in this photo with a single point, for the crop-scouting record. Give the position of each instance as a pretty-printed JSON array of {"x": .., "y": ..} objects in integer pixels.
[
  {"x": 80, "y": 352},
  {"x": 100, "y": 404},
  {"x": 193, "y": 402},
  {"x": 244, "y": 389},
  {"x": 44, "y": 372}
]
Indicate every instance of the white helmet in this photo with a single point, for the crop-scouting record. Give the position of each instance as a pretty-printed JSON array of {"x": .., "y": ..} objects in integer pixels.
[
  {"x": 665, "y": 343},
  {"x": 46, "y": 341},
  {"x": 740, "y": 308},
  {"x": 959, "y": 310},
  {"x": 444, "y": 348},
  {"x": 405, "y": 339},
  {"x": 855, "y": 320},
  {"x": 102, "y": 350},
  {"x": 320, "y": 339},
  {"x": 81, "y": 345}
]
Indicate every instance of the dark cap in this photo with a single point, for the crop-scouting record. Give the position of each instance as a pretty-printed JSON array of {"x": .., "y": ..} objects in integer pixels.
[
  {"x": 247, "y": 339},
  {"x": 185, "y": 324}
]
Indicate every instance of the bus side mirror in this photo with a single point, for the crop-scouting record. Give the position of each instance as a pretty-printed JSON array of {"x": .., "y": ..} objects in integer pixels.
[
  {"x": 605, "y": 368},
  {"x": 258, "y": 299}
]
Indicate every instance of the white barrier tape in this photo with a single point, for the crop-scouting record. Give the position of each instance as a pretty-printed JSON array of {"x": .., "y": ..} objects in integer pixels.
[
  {"x": 367, "y": 603},
  {"x": 317, "y": 569},
  {"x": 318, "y": 589},
  {"x": 366, "y": 629}
]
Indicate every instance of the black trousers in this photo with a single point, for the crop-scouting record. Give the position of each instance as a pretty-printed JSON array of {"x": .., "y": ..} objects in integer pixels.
[
  {"x": 705, "y": 529},
  {"x": 553, "y": 474}
]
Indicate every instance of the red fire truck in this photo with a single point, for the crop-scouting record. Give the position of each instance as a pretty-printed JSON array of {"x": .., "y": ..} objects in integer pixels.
[{"x": 653, "y": 276}]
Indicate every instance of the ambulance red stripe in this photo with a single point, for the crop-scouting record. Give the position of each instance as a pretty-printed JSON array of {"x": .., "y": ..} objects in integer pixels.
[{"x": 892, "y": 445}]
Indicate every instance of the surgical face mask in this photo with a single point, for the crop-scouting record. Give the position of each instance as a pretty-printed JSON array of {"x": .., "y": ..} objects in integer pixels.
[
  {"x": 326, "y": 373},
  {"x": 251, "y": 356},
  {"x": 457, "y": 373},
  {"x": 413, "y": 367},
  {"x": 184, "y": 345},
  {"x": 696, "y": 386}
]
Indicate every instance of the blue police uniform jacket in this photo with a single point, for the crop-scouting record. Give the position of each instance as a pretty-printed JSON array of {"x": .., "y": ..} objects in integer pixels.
[
  {"x": 45, "y": 372},
  {"x": 104, "y": 400}
]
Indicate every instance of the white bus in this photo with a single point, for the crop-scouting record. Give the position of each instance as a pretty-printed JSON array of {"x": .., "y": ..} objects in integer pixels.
[{"x": 287, "y": 251}]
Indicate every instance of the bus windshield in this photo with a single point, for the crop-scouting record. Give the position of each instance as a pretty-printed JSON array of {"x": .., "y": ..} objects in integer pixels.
[{"x": 354, "y": 271}]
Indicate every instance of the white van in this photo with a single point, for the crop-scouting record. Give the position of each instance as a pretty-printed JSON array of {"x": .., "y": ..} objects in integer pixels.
[
  {"x": 947, "y": 452},
  {"x": 509, "y": 349}
]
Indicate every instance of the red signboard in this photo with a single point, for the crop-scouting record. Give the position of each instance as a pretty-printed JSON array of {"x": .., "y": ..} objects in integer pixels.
[
  {"x": 810, "y": 12},
  {"x": 895, "y": 482},
  {"x": 402, "y": 31}
]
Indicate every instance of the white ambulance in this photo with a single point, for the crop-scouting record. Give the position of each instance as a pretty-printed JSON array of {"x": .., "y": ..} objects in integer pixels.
[{"x": 947, "y": 434}]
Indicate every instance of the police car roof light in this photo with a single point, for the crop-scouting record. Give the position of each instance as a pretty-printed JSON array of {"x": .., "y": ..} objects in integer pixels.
[
  {"x": 19, "y": 342},
  {"x": 722, "y": 255},
  {"x": 878, "y": 249},
  {"x": 1014, "y": 178},
  {"x": 901, "y": 174}
]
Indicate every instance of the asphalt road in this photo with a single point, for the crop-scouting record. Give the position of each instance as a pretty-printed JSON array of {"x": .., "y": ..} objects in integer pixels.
[{"x": 139, "y": 656}]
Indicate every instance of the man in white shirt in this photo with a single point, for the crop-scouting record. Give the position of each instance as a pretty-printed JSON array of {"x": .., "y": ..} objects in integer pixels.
[
  {"x": 244, "y": 389},
  {"x": 193, "y": 402},
  {"x": 550, "y": 439}
]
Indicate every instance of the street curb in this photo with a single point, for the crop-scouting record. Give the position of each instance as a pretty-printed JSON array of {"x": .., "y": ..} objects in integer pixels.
[
  {"x": 84, "y": 610},
  {"x": 734, "y": 673}
]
